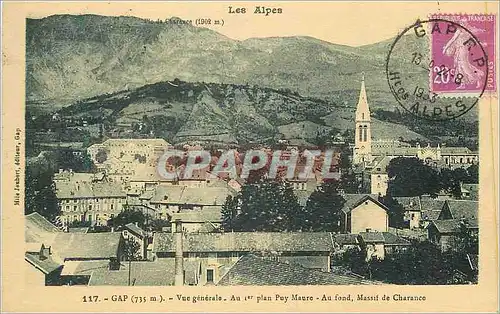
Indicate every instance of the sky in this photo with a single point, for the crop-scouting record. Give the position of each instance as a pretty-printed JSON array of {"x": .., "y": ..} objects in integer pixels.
[{"x": 347, "y": 23}]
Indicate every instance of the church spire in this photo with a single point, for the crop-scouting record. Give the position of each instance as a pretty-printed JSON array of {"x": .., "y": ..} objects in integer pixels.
[
  {"x": 362, "y": 109},
  {"x": 363, "y": 133}
]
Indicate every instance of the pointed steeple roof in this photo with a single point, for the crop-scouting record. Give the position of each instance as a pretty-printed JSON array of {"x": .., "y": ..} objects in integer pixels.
[{"x": 362, "y": 109}]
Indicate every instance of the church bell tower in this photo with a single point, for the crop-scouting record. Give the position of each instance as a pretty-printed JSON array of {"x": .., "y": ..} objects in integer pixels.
[{"x": 363, "y": 136}]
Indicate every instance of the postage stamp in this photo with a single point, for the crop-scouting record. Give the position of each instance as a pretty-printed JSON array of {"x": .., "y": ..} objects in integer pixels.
[
  {"x": 412, "y": 70},
  {"x": 459, "y": 66}
]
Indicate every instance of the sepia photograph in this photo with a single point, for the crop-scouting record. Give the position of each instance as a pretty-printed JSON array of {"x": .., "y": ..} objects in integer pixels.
[{"x": 162, "y": 149}]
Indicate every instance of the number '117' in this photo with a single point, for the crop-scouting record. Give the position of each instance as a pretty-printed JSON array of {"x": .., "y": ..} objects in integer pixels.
[{"x": 90, "y": 298}]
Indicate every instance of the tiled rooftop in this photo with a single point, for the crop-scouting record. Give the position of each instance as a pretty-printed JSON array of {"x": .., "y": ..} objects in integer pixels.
[
  {"x": 247, "y": 242},
  {"x": 251, "y": 270}
]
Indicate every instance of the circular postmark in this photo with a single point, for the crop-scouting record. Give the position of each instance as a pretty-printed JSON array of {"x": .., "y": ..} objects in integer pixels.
[{"x": 437, "y": 69}]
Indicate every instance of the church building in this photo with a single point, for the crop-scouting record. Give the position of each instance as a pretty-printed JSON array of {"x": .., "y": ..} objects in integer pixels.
[{"x": 375, "y": 155}]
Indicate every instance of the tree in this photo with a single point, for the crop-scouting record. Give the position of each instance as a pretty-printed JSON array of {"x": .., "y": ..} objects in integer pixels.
[
  {"x": 40, "y": 192},
  {"x": 101, "y": 156},
  {"x": 449, "y": 182},
  {"x": 411, "y": 177},
  {"x": 66, "y": 160},
  {"x": 262, "y": 206},
  {"x": 157, "y": 224},
  {"x": 229, "y": 212},
  {"x": 352, "y": 259},
  {"x": 473, "y": 172},
  {"x": 422, "y": 263},
  {"x": 466, "y": 241},
  {"x": 396, "y": 211},
  {"x": 131, "y": 249},
  {"x": 127, "y": 216},
  {"x": 348, "y": 180},
  {"x": 322, "y": 212}
]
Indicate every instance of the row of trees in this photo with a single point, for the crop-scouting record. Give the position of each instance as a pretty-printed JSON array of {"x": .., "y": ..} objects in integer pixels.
[
  {"x": 423, "y": 263},
  {"x": 273, "y": 206},
  {"x": 412, "y": 177}
]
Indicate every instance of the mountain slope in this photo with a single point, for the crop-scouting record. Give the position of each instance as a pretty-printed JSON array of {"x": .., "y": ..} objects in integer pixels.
[
  {"x": 184, "y": 112},
  {"x": 75, "y": 57}
]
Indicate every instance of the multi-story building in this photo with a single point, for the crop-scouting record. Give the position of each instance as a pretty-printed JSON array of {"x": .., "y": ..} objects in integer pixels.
[
  {"x": 169, "y": 199},
  {"x": 124, "y": 158},
  {"x": 93, "y": 202}
]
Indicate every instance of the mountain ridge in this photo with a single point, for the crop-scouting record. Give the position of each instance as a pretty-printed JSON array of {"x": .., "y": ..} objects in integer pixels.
[{"x": 72, "y": 57}]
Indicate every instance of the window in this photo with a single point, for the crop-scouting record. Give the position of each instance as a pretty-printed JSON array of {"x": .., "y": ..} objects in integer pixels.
[
  {"x": 67, "y": 208},
  {"x": 75, "y": 208},
  {"x": 90, "y": 207},
  {"x": 360, "y": 133},
  {"x": 112, "y": 206},
  {"x": 210, "y": 275},
  {"x": 363, "y": 116}
]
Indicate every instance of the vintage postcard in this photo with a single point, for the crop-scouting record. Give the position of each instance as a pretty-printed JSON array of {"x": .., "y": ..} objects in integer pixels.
[{"x": 250, "y": 156}]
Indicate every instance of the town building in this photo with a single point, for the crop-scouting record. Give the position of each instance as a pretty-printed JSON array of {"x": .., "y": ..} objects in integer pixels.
[
  {"x": 455, "y": 217},
  {"x": 170, "y": 199},
  {"x": 217, "y": 252},
  {"x": 200, "y": 220},
  {"x": 419, "y": 211},
  {"x": 53, "y": 255},
  {"x": 94, "y": 202},
  {"x": 469, "y": 191},
  {"x": 379, "y": 178},
  {"x": 122, "y": 159},
  {"x": 41, "y": 269},
  {"x": 363, "y": 213},
  {"x": 379, "y": 244}
]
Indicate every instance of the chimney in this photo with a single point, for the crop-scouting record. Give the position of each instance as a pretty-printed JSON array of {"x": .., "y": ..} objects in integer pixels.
[
  {"x": 44, "y": 252},
  {"x": 179, "y": 254}
]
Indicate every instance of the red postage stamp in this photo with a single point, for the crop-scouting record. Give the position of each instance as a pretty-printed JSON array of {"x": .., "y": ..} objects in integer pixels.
[{"x": 463, "y": 54}]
